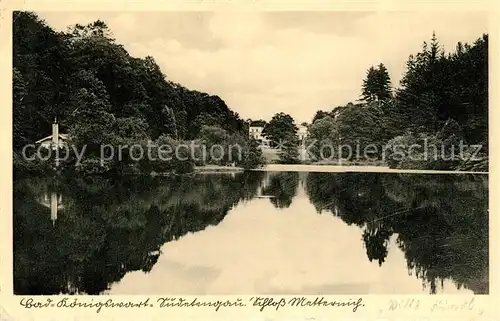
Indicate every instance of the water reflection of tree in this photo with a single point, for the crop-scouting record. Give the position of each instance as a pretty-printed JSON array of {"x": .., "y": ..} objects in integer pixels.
[
  {"x": 109, "y": 227},
  {"x": 441, "y": 221},
  {"x": 283, "y": 187}
]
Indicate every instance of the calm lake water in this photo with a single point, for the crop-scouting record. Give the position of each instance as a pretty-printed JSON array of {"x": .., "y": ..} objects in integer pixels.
[{"x": 255, "y": 232}]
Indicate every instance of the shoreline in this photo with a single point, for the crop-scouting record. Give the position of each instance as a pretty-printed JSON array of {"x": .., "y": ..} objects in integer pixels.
[
  {"x": 208, "y": 169},
  {"x": 213, "y": 169},
  {"x": 358, "y": 168},
  {"x": 217, "y": 169}
]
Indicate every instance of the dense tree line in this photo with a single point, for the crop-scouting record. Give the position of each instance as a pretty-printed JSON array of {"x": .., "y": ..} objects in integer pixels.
[
  {"x": 100, "y": 94},
  {"x": 442, "y": 101},
  {"x": 259, "y": 123}
]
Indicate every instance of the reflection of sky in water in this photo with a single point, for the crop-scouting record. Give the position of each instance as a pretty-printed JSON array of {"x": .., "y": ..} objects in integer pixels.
[
  {"x": 108, "y": 233},
  {"x": 258, "y": 248}
]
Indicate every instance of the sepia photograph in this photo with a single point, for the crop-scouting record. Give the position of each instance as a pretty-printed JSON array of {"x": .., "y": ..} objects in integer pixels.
[{"x": 259, "y": 152}]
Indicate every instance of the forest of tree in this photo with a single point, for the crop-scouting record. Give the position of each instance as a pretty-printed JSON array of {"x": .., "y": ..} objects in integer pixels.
[
  {"x": 102, "y": 95},
  {"x": 442, "y": 101}
]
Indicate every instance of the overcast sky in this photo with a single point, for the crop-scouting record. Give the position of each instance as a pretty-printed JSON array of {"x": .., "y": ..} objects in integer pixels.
[{"x": 261, "y": 63}]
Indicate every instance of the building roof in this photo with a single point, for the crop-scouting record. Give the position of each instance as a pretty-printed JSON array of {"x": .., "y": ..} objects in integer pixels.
[{"x": 61, "y": 136}]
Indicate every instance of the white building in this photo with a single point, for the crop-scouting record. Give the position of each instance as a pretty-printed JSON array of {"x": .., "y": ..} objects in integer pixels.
[
  {"x": 302, "y": 133},
  {"x": 55, "y": 140},
  {"x": 256, "y": 133},
  {"x": 54, "y": 202}
]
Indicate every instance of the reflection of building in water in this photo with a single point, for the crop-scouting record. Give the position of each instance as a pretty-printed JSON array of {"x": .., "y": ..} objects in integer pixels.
[
  {"x": 303, "y": 179},
  {"x": 54, "y": 202},
  {"x": 336, "y": 210},
  {"x": 54, "y": 141},
  {"x": 264, "y": 183}
]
